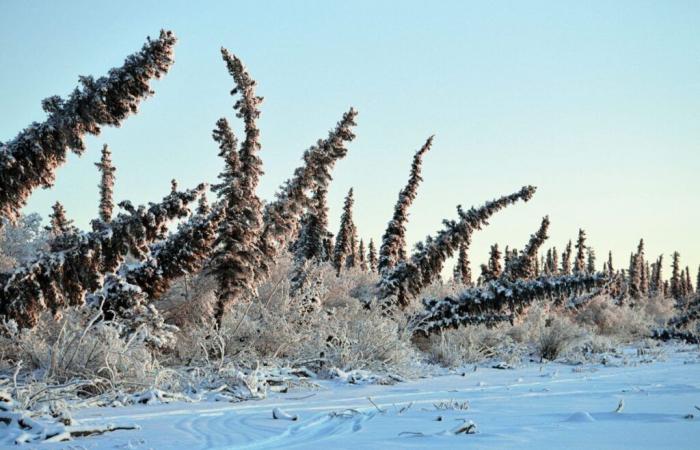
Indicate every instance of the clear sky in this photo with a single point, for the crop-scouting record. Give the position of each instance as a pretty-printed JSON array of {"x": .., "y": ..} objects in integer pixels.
[{"x": 596, "y": 103}]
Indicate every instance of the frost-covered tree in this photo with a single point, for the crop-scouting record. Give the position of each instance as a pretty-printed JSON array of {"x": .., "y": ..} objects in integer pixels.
[
  {"x": 609, "y": 266},
  {"x": 393, "y": 248},
  {"x": 656, "y": 283},
  {"x": 590, "y": 262},
  {"x": 676, "y": 290},
  {"x": 106, "y": 185},
  {"x": 183, "y": 252},
  {"x": 61, "y": 229},
  {"x": 238, "y": 260},
  {"x": 58, "y": 279},
  {"x": 362, "y": 261},
  {"x": 523, "y": 264},
  {"x": 345, "y": 238},
  {"x": 30, "y": 159},
  {"x": 688, "y": 283},
  {"x": 580, "y": 261},
  {"x": 635, "y": 276},
  {"x": 492, "y": 269},
  {"x": 314, "y": 230},
  {"x": 462, "y": 270},
  {"x": 481, "y": 304},
  {"x": 566, "y": 259},
  {"x": 407, "y": 279},
  {"x": 282, "y": 216},
  {"x": 372, "y": 257}
]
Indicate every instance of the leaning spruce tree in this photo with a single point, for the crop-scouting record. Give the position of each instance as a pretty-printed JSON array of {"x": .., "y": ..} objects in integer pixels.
[
  {"x": 30, "y": 159},
  {"x": 523, "y": 265},
  {"x": 106, "y": 185},
  {"x": 344, "y": 240},
  {"x": 238, "y": 260},
  {"x": 393, "y": 248},
  {"x": 408, "y": 278}
]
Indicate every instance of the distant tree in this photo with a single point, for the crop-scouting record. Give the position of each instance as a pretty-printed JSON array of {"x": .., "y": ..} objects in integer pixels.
[
  {"x": 566, "y": 260},
  {"x": 590, "y": 263},
  {"x": 523, "y": 265},
  {"x": 580, "y": 261},
  {"x": 361, "y": 256},
  {"x": 372, "y": 257},
  {"x": 610, "y": 268},
  {"x": 462, "y": 271},
  {"x": 493, "y": 269},
  {"x": 676, "y": 288},
  {"x": 344, "y": 240},
  {"x": 106, "y": 185}
]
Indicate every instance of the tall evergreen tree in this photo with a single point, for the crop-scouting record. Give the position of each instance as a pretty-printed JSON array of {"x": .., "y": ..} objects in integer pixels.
[
  {"x": 393, "y": 249},
  {"x": 555, "y": 261},
  {"x": 676, "y": 289},
  {"x": 314, "y": 229},
  {"x": 345, "y": 238},
  {"x": 106, "y": 186},
  {"x": 372, "y": 257},
  {"x": 30, "y": 160},
  {"x": 580, "y": 261},
  {"x": 657, "y": 278}
]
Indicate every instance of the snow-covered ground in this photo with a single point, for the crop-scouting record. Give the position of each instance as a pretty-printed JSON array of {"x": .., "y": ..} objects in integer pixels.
[{"x": 536, "y": 406}]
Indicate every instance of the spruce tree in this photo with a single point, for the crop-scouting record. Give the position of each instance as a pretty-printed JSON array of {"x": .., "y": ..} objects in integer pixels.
[
  {"x": 566, "y": 260},
  {"x": 61, "y": 229},
  {"x": 610, "y": 268},
  {"x": 462, "y": 271},
  {"x": 361, "y": 256},
  {"x": 493, "y": 267},
  {"x": 590, "y": 263},
  {"x": 676, "y": 290},
  {"x": 30, "y": 160},
  {"x": 393, "y": 249},
  {"x": 523, "y": 265},
  {"x": 344, "y": 239},
  {"x": 407, "y": 279},
  {"x": 580, "y": 261},
  {"x": 106, "y": 186},
  {"x": 555, "y": 261},
  {"x": 372, "y": 257},
  {"x": 282, "y": 216},
  {"x": 313, "y": 231},
  {"x": 688, "y": 283}
]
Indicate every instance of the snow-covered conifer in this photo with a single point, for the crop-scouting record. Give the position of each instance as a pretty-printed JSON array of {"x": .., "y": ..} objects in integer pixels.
[
  {"x": 362, "y": 261},
  {"x": 407, "y": 279},
  {"x": 393, "y": 248},
  {"x": 590, "y": 262},
  {"x": 580, "y": 261},
  {"x": 566, "y": 259},
  {"x": 676, "y": 290},
  {"x": 462, "y": 271},
  {"x": 522, "y": 265},
  {"x": 344, "y": 239},
  {"x": 30, "y": 159},
  {"x": 106, "y": 185},
  {"x": 372, "y": 257}
]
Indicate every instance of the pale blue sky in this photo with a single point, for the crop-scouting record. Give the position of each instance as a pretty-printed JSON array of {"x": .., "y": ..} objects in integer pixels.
[{"x": 596, "y": 103}]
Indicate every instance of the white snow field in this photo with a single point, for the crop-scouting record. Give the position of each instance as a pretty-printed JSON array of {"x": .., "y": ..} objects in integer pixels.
[{"x": 631, "y": 402}]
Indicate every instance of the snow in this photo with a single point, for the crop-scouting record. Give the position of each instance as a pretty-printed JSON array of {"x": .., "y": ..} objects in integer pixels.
[{"x": 533, "y": 406}]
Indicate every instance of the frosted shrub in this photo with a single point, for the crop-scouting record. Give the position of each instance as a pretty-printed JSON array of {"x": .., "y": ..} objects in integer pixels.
[
  {"x": 79, "y": 347},
  {"x": 558, "y": 337},
  {"x": 471, "y": 344},
  {"x": 623, "y": 321}
]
